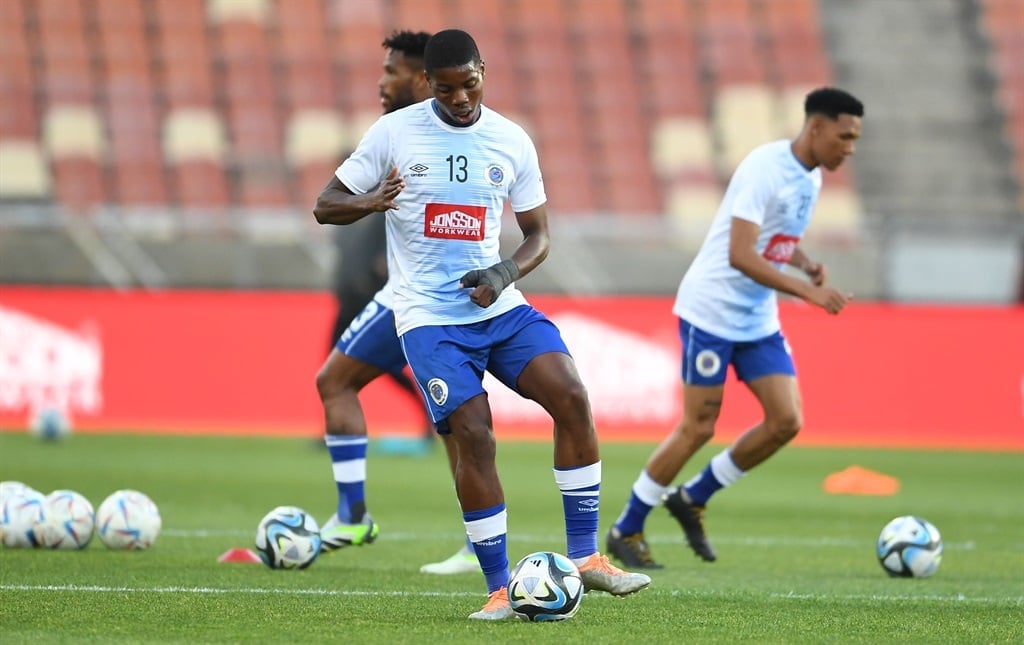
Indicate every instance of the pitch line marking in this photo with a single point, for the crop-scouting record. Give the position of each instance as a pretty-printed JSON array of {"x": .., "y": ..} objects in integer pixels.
[{"x": 958, "y": 598}]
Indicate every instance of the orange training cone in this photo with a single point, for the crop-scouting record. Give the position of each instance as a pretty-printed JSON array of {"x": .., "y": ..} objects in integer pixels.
[
  {"x": 239, "y": 555},
  {"x": 860, "y": 481}
]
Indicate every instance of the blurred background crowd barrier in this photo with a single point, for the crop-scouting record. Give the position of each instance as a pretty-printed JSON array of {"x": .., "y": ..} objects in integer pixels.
[{"x": 181, "y": 143}]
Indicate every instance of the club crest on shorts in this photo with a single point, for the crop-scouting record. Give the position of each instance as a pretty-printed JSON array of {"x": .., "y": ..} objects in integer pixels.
[
  {"x": 708, "y": 363},
  {"x": 438, "y": 390}
]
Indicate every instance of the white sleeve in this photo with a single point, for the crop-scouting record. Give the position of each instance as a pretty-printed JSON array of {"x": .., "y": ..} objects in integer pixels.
[
  {"x": 528, "y": 190},
  {"x": 370, "y": 163},
  {"x": 754, "y": 182}
]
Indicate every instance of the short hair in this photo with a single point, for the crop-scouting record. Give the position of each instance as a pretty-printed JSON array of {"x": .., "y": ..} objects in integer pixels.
[
  {"x": 450, "y": 48},
  {"x": 411, "y": 43},
  {"x": 831, "y": 102}
]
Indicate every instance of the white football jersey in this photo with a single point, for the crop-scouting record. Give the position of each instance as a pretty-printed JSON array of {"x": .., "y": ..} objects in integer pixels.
[
  {"x": 448, "y": 219},
  {"x": 772, "y": 189}
]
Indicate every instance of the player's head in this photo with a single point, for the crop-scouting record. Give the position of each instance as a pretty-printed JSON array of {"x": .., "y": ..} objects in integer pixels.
[
  {"x": 403, "y": 82},
  {"x": 455, "y": 72},
  {"x": 831, "y": 126}
]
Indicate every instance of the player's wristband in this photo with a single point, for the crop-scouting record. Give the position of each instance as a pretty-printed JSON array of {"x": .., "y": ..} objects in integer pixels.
[{"x": 499, "y": 276}]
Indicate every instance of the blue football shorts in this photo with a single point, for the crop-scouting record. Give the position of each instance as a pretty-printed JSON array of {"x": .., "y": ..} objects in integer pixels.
[
  {"x": 706, "y": 357},
  {"x": 371, "y": 338},
  {"x": 448, "y": 361}
]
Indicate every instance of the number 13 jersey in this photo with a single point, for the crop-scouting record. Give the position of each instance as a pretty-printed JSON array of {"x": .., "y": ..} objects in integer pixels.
[{"x": 448, "y": 219}]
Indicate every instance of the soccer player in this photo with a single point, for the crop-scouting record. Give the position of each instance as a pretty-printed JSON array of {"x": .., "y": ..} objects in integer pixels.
[
  {"x": 442, "y": 170},
  {"x": 728, "y": 315},
  {"x": 368, "y": 347}
]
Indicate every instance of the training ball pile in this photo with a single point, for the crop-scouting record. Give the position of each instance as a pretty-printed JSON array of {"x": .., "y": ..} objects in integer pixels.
[
  {"x": 128, "y": 519},
  {"x": 910, "y": 547},
  {"x": 545, "y": 586},
  {"x": 288, "y": 538}
]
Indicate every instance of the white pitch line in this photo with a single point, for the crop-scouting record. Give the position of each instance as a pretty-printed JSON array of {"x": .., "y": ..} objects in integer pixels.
[
  {"x": 755, "y": 541},
  {"x": 958, "y": 598}
]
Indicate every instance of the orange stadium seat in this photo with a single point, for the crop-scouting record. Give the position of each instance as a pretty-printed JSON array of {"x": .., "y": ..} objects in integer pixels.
[{"x": 417, "y": 15}]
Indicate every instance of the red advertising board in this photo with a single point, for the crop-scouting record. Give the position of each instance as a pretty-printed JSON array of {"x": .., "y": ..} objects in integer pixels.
[{"x": 230, "y": 361}]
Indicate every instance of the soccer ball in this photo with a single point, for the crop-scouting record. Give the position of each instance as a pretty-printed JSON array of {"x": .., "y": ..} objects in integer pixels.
[
  {"x": 69, "y": 521},
  {"x": 128, "y": 519},
  {"x": 50, "y": 424},
  {"x": 21, "y": 519},
  {"x": 11, "y": 487},
  {"x": 910, "y": 547},
  {"x": 545, "y": 586},
  {"x": 288, "y": 538}
]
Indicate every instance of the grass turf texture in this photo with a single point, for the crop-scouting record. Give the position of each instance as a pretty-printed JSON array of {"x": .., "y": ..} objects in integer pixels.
[{"x": 795, "y": 564}]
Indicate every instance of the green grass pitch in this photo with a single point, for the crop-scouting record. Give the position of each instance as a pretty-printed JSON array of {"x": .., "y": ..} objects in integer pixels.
[{"x": 795, "y": 565}]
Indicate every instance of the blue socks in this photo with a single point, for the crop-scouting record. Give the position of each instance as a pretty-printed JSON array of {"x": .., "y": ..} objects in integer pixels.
[
  {"x": 580, "y": 488},
  {"x": 348, "y": 460}
]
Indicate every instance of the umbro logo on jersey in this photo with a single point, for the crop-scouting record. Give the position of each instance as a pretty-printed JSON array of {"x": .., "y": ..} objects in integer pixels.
[
  {"x": 455, "y": 222},
  {"x": 418, "y": 170}
]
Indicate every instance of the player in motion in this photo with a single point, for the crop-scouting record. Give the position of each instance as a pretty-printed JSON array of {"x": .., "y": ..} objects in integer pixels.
[
  {"x": 368, "y": 347},
  {"x": 442, "y": 170},
  {"x": 728, "y": 315}
]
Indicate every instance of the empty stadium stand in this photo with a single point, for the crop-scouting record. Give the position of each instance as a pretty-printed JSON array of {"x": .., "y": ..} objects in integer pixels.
[{"x": 640, "y": 109}]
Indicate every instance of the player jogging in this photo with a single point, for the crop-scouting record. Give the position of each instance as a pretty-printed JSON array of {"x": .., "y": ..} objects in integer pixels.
[
  {"x": 728, "y": 315},
  {"x": 442, "y": 170}
]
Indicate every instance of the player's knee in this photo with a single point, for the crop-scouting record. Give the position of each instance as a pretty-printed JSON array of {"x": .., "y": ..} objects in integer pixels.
[
  {"x": 699, "y": 431},
  {"x": 786, "y": 426}
]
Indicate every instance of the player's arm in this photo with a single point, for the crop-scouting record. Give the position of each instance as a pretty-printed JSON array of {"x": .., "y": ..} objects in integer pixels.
[
  {"x": 337, "y": 204},
  {"x": 816, "y": 271},
  {"x": 488, "y": 283},
  {"x": 744, "y": 257}
]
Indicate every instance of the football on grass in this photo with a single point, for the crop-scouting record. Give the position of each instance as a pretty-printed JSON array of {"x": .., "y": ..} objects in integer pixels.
[
  {"x": 288, "y": 538},
  {"x": 21, "y": 518},
  {"x": 69, "y": 520},
  {"x": 128, "y": 519},
  {"x": 545, "y": 586},
  {"x": 910, "y": 547}
]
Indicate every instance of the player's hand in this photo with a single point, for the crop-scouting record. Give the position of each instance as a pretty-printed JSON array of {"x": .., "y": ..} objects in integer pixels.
[
  {"x": 817, "y": 272},
  {"x": 490, "y": 282},
  {"x": 829, "y": 299},
  {"x": 384, "y": 196}
]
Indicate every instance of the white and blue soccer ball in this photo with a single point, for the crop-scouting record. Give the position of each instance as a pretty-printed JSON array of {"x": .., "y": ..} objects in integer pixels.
[
  {"x": 69, "y": 522},
  {"x": 50, "y": 424},
  {"x": 910, "y": 547},
  {"x": 22, "y": 514},
  {"x": 288, "y": 538},
  {"x": 128, "y": 519},
  {"x": 545, "y": 586},
  {"x": 10, "y": 487}
]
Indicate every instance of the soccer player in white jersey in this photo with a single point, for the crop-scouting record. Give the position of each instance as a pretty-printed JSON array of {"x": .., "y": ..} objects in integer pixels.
[
  {"x": 728, "y": 315},
  {"x": 368, "y": 348},
  {"x": 442, "y": 170}
]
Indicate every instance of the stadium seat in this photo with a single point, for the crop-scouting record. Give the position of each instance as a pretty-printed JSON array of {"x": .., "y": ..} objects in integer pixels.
[
  {"x": 680, "y": 147},
  {"x": 75, "y": 143},
  {"x": 23, "y": 171},
  {"x": 425, "y": 15},
  {"x": 744, "y": 118},
  {"x": 194, "y": 144},
  {"x": 691, "y": 206}
]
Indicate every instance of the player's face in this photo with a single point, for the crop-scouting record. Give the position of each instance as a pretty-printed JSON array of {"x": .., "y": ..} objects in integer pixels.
[
  {"x": 398, "y": 82},
  {"x": 458, "y": 92},
  {"x": 836, "y": 140}
]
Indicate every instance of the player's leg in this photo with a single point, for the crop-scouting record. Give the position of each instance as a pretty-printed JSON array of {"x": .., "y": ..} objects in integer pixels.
[
  {"x": 368, "y": 348},
  {"x": 448, "y": 365},
  {"x": 703, "y": 365},
  {"x": 464, "y": 560},
  {"x": 534, "y": 361},
  {"x": 766, "y": 366}
]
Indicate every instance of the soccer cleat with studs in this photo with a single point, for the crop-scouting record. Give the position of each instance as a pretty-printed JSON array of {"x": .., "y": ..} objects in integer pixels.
[
  {"x": 496, "y": 608},
  {"x": 691, "y": 517},
  {"x": 598, "y": 574},
  {"x": 631, "y": 550},
  {"x": 336, "y": 535}
]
